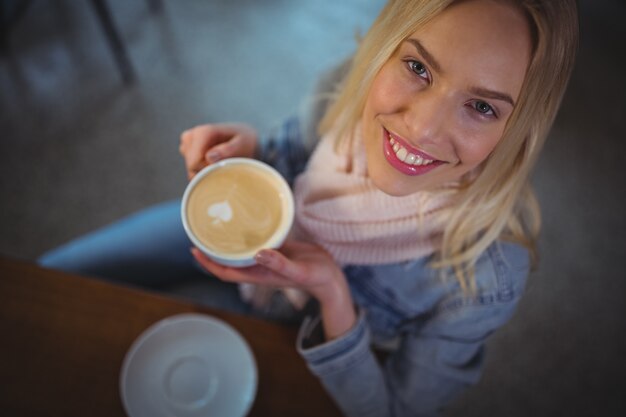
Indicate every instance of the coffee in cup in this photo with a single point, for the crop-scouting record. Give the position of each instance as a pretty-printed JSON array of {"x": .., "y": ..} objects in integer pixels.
[{"x": 236, "y": 207}]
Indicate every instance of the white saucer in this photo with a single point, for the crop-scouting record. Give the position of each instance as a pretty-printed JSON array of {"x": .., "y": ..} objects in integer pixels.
[{"x": 188, "y": 365}]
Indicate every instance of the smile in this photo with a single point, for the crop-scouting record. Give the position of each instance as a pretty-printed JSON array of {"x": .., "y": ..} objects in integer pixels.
[{"x": 405, "y": 159}]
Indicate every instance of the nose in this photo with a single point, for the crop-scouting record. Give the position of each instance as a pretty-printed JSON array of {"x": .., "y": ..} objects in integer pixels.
[{"x": 428, "y": 117}]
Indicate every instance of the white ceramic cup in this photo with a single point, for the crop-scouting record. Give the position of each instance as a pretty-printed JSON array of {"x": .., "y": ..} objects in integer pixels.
[{"x": 225, "y": 211}]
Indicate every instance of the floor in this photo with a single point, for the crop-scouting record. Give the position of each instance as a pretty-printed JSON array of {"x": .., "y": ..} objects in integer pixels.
[{"x": 79, "y": 149}]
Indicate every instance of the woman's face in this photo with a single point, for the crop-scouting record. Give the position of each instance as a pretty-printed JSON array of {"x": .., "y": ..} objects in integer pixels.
[{"x": 439, "y": 105}]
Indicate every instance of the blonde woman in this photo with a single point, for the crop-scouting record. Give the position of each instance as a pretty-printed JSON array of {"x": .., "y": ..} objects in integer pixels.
[{"x": 415, "y": 222}]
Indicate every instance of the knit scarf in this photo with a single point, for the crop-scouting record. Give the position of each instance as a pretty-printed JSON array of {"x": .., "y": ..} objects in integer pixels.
[{"x": 339, "y": 208}]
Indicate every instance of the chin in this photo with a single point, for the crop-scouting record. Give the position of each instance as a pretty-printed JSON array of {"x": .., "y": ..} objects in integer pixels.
[
  {"x": 392, "y": 188},
  {"x": 385, "y": 179}
]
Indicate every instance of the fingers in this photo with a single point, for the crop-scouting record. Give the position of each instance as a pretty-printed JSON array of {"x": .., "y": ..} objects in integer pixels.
[
  {"x": 278, "y": 263},
  {"x": 206, "y": 263},
  {"x": 221, "y": 271},
  {"x": 193, "y": 145},
  {"x": 223, "y": 150},
  {"x": 254, "y": 274},
  {"x": 206, "y": 144}
]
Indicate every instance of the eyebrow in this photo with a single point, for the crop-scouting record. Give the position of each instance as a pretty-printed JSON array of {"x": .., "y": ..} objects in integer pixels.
[
  {"x": 496, "y": 95},
  {"x": 484, "y": 92},
  {"x": 430, "y": 60}
]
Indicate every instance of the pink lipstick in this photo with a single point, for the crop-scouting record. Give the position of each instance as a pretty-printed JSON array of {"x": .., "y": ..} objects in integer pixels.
[{"x": 405, "y": 158}]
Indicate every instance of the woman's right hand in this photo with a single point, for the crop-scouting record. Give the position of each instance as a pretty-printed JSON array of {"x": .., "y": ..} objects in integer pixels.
[{"x": 203, "y": 145}]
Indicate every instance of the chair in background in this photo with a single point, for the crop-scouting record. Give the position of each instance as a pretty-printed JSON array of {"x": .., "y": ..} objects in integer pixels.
[{"x": 11, "y": 11}]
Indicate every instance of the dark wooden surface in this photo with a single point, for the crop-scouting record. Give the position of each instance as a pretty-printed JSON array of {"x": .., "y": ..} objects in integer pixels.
[{"x": 64, "y": 337}]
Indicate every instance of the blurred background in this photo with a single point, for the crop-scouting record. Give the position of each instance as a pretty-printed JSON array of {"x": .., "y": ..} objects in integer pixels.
[{"x": 94, "y": 95}]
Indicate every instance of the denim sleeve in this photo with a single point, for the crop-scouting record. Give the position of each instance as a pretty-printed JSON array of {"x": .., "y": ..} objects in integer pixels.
[
  {"x": 347, "y": 368},
  {"x": 438, "y": 357},
  {"x": 284, "y": 149}
]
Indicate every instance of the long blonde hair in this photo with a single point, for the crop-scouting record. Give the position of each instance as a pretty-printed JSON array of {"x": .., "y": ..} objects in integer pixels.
[{"x": 498, "y": 203}]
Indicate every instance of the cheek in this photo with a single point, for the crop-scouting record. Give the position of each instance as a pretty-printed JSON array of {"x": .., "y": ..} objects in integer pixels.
[
  {"x": 387, "y": 92},
  {"x": 475, "y": 149}
]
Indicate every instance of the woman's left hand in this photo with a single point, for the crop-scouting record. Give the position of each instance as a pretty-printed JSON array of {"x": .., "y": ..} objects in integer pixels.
[{"x": 298, "y": 265}]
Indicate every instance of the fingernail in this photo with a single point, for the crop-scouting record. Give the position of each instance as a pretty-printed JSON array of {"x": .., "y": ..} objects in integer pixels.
[
  {"x": 263, "y": 257},
  {"x": 213, "y": 156}
]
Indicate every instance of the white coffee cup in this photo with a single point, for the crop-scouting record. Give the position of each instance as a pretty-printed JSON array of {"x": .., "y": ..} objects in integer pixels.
[{"x": 236, "y": 207}]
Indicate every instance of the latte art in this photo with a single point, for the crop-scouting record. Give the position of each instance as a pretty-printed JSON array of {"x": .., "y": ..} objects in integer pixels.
[
  {"x": 220, "y": 212},
  {"x": 235, "y": 209}
]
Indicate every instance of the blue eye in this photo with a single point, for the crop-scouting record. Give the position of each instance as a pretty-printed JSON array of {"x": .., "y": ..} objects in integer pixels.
[
  {"x": 483, "y": 108},
  {"x": 418, "y": 68}
]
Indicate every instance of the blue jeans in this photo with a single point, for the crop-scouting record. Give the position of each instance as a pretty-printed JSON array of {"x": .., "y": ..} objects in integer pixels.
[{"x": 150, "y": 249}]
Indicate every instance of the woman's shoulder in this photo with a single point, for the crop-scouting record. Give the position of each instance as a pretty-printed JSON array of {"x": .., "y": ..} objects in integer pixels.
[
  {"x": 416, "y": 295},
  {"x": 415, "y": 287},
  {"x": 503, "y": 270},
  {"x": 500, "y": 278},
  {"x": 501, "y": 266}
]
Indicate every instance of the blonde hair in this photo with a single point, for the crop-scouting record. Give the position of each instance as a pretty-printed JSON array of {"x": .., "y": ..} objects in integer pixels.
[{"x": 498, "y": 203}]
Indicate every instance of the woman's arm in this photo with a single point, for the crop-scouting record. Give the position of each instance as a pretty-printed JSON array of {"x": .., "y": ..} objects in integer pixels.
[
  {"x": 441, "y": 351},
  {"x": 428, "y": 371}
]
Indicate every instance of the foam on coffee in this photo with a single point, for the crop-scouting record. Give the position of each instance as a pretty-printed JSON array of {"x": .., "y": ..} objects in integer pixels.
[{"x": 235, "y": 209}]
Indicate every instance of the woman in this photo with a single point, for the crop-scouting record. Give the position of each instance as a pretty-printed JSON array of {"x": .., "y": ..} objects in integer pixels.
[{"x": 415, "y": 221}]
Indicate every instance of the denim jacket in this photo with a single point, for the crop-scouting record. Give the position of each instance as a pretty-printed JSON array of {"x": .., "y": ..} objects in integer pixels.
[{"x": 434, "y": 332}]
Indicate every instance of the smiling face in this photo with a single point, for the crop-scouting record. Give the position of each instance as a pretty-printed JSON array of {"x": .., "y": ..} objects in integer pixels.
[{"x": 439, "y": 105}]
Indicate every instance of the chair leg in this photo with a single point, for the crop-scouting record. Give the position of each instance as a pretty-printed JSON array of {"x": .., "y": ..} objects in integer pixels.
[{"x": 114, "y": 40}]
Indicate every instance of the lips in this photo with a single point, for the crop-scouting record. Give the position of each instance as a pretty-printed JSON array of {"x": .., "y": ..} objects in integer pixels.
[{"x": 405, "y": 158}]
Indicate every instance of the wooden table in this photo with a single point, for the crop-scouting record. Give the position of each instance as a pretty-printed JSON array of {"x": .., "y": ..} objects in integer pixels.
[{"x": 64, "y": 337}]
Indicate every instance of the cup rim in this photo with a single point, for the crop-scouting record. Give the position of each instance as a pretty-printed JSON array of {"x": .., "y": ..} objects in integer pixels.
[{"x": 277, "y": 238}]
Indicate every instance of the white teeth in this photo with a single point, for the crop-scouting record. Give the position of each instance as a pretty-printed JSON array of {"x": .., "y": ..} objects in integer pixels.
[
  {"x": 401, "y": 154},
  {"x": 408, "y": 158}
]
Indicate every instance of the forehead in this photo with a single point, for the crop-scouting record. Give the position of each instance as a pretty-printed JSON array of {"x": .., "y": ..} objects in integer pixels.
[{"x": 483, "y": 40}]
